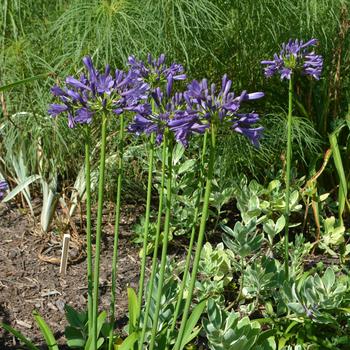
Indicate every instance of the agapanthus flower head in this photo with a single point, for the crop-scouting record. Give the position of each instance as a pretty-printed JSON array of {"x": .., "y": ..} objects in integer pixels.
[
  {"x": 172, "y": 114},
  {"x": 224, "y": 106},
  {"x": 3, "y": 188},
  {"x": 295, "y": 56},
  {"x": 155, "y": 71},
  {"x": 81, "y": 98}
]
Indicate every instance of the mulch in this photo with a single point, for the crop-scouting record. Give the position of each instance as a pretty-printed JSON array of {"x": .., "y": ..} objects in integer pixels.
[{"x": 28, "y": 282}]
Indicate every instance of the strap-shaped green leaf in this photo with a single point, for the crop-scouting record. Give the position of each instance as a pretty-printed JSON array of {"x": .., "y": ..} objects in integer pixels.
[
  {"x": 128, "y": 342},
  {"x": 100, "y": 321},
  {"x": 132, "y": 305},
  {"x": 20, "y": 187},
  {"x": 20, "y": 337},
  {"x": 46, "y": 331},
  {"x": 191, "y": 323},
  {"x": 343, "y": 188},
  {"x": 23, "y": 81}
]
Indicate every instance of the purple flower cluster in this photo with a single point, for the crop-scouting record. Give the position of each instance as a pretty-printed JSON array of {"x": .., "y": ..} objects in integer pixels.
[
  {"x": 147, "y": 90},
  {"x": 169, "y": 112},
  {"x": 155, "y": 71},
  {"x": 81, "y": 98},
  {"x": 295, "y": 55},
  {"x": 225, "y": 105},
  {"x": 192, "y": 111},
  {"x": 3, "y": 188}
]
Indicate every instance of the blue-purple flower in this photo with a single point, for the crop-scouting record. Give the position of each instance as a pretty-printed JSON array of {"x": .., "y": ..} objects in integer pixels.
[
  {"x": 295, "y": 55},
  {"x": 155, "y": 71},
  {"x": 170, "y": 110},
  {"x": 224, "y": 106},
  {"x": 3, "y": 188},
  {"x": 170, "y": 113},
  {"x": 81, "y": 98}
]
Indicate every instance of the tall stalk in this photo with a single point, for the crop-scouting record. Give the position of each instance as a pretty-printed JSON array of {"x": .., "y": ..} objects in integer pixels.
[
  {"x": 202, "y": 227},
  {"x": 156, "y": 245},
  {"x": 116, "y": 228},
  {"x": 288, "y": 171},
  {"x": 88, "y": 222},
  {"x": 190, "y": 246},
  {"x": 146, "y": 227},
  {"x": 169, "y": 145},
  {"x": 101, "y": 181}
]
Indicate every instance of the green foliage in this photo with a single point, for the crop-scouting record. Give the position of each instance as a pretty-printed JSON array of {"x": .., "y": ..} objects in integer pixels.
[
  {"x": 260, "y": 278},
  {"x": 168, "y": 301},
  {"x": 256, "y": 200},
  {"x": 320, "y": 299},
  {"x": 45, "y": 330},
  {"x": 227, "y": 331},
  {"x": 297, "y": 253},
  {"x": 214, "y": 272},
  {"x": 19, "y": 336},
  {"x": 244, "y": 239},
  {"x": 234, "y": 161},
  {"x": 272, "y": 228},
  {"x": 340, "y": 166},
  {"x": 77, "y": 332},
  {"x": 332, "y": 235}
]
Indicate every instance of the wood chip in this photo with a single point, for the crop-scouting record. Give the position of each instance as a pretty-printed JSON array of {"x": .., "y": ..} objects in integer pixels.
[
  {"x": 50, "y": 293},
  {"x": 23, "y": 324}
]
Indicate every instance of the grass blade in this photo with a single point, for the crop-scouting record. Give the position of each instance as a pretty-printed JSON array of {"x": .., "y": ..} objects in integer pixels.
[
  {"x": 20, "y": 337},
  {"x": 23, "y": 81},
  {"x": 46, "y": 331},
  {"x": 343, "y": 189}
]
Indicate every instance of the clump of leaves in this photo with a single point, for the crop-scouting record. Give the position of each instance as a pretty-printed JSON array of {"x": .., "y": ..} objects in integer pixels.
[
  {"x": 255, "y": 200},
  {"x": 227, "y": 331},
  {"x": 215, "y": 271}
]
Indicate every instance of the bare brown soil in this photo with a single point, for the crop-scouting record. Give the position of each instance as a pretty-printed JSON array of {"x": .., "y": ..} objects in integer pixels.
[{"x": 29, "y": 283}]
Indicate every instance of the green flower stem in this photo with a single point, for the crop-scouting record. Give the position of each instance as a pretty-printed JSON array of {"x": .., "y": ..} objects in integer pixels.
[
  {"x": 169, "y": 145},
  {"x": 145, "y": 235},
  {"x": 156, "y": 245},
  {"x": 202, "y": 227},
  {"x": 193, "y": 234},
  {"x": 101, "y": 181},
  {"x": 116, "y": 229},
  {"x": 288, "y": 174},
  {"x": 88, "y": 222}
]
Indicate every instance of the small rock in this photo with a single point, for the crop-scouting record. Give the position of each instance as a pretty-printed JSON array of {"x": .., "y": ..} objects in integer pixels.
[
  {"x": 12, "y": 254},
  {"x": 73, "y": 254},
  {"x": 51, "y": 306},
  {"x": 60, "y": 304}
]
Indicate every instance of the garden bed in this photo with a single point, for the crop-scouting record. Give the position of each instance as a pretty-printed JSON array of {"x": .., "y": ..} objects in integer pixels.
[{"x": 28, "y": 283}]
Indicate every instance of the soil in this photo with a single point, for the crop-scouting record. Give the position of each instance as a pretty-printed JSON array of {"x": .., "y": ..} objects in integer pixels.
[{"x": 28, "y": 282}]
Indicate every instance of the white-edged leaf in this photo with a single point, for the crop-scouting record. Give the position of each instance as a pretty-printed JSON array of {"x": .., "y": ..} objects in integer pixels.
[{"x": 20, "y": 187}]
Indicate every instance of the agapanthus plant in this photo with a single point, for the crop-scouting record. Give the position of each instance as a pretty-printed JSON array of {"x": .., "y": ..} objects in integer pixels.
[
  {"x": 159, "y": 117},
  {"x": 178, "y": 116},
  {"x": 3, "y": 188},
  {"x": 294, "y": 57},
  {"x": 215, "y": 108},
  {"x": 99, "y": 95}
]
